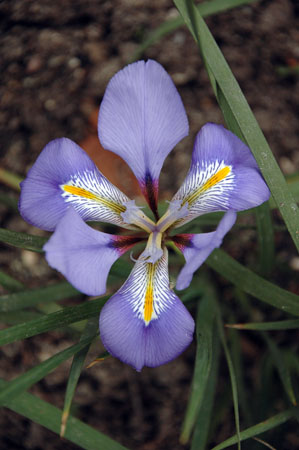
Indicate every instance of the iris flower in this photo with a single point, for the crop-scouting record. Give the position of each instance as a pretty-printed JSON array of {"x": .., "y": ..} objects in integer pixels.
[{"x": 141, "y": 119}]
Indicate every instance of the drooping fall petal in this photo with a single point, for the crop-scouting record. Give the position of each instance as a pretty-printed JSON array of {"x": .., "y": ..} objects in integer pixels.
[{"x": 145, "y": 323}]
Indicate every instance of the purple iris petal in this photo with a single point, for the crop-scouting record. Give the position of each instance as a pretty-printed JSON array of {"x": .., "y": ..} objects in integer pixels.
[
  {"x": 223, "y": 175},
  {"x": 84, "y": 255},
  {"x": 128, "y": 339},
  {"x": 141, "y": 119},
  {"x": 43, "y": 202},
  {"x": 197, "y": 247},
  {"x": 126, "y": 334},
  {"x": 214, "y": 141}
]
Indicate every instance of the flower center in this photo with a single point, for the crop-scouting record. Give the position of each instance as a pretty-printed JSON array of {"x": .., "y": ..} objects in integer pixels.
[
  {"x": 153, "y": 250},
  {"x": 134, "y": 216},
  {"x": 177, "y": 210}
]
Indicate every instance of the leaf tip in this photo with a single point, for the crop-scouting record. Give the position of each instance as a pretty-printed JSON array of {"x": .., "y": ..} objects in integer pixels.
[
  {"x": 64, "y": 418},
  {"x": 237, "y": 326},
  {"x": 98, "y": 360}
]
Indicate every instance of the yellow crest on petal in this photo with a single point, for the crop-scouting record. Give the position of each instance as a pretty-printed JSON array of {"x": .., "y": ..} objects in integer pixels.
[
  {"x": 215, "y": 179},
  {"x": 149, "y": 295},
  {"x": 80, "y": 192}
]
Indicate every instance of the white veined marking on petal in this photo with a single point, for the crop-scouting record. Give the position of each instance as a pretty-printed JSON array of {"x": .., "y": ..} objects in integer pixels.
[
  {"x": 148, "y": 290},
  {"x": 207, "y": 186},
  {"x": 91, "y": 191}
]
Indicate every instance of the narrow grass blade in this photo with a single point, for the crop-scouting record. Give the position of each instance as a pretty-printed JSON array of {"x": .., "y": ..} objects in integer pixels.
[
  {"x": 253, "y": 284},
  {"x": 232, "y": 376},
  {"x": 266, "y": 239},
  {"x": 52, "y": 321},
  {"x": 31, "y": 297},
  {"x": 10, "y": 179},
  {"x": 282, "y": 367},
  {"x": 293, "y": 187},
  {"x": 237, "y": 359},
  {"x": 17, "y": 317},
  {"x": 265, "y": 401},
  {"x": 10, "y": 283},
  {"x": 202, "y": 425},
  {"x": 23, "y": 240},
  {"x": 264, "y": 443},
  {"x": 203, "y": 363},
  {"x": 263, "y": 216},
  {"x": 75, "y": 371},
  {"x": 293, "y": 361},
  {"x": 267, "y": 326},
  {"x": 49, "y": 308},
  {"x": 259, "y": 428},
  {"x": 49, "y": 416},
  {"x": 192, "y": 294},
  {"x": 32, "y": 376},
  {"x": 98, "y": 359},
  {"x": 227, "y": 87},
  {"x": 206, "y": 9}
]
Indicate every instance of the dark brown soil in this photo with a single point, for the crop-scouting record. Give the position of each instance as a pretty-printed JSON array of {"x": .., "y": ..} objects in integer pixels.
[{"x": 56, "y": 60}]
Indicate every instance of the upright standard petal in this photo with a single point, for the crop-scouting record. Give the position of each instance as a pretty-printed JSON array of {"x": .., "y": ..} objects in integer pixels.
[
  {"x": 197, "y": 247},
  {"x": 84, "y": 255},
  {"x": 145, "y": 323},
  {"x": 223, "y": 175},
  {"x": 62, "y": 176},
  {"x": 141, "y": 119}
]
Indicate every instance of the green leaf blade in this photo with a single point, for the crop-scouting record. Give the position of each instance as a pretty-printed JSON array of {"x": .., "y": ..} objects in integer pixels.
[
  {"x": 52, "y": 321},
  {"x": 206, "y": 9},
  {"x": 266, "y": 239},
  {"x": 32, "y": 376},
  {"x": 31, "y": 297},
  {"x": 204, "y": 417},
  {"x": 253, "y": 284},
  {"x": 282, "y": 368},
  {"x": 23, "y": 240},
  {"x": 259, "y": 428},
  {"x": 267, "y": 326},
  {"x": 49, "y": 416},
  {"x": 203, "y": 362},
  {"x": 76, "y": 368},
  {"x": 232, "y": 376},
  {"x": 10, "y": 283}
]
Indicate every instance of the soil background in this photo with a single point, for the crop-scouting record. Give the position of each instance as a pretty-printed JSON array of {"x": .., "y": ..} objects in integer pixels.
[{"x": 56, "y": 58}]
